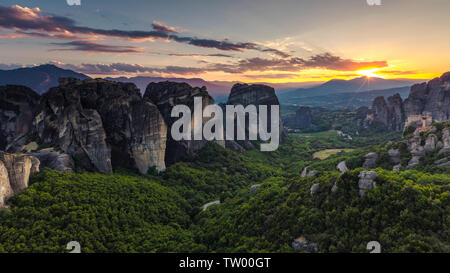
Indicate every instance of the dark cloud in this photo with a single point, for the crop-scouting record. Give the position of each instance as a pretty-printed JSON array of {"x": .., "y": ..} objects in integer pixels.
[
  {"x": 158, "y": 26},
  {"x": 199, "y": 55},
  {"x": 295, "y": 64},
  {"x": 32, "y": 20},
  {"x": 124, "y": 68},
  {"x": 332, "y": 62},
  {"x": 292, "y": 65},
  {"x": 95, "y": 47}
]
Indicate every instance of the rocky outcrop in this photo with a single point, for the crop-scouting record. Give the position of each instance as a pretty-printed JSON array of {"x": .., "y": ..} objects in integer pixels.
[
  {"x": 366, "y": 181},
  {"x": 56, "y": 160},
  {"x": 342, "y": 167},
  {"x": 253, "y": 188},
  {"x": 394, "y": 155},
  {"x": 370, "y": 161},
  {"x": 256, "y": 94},
  {"x": 308, "y": 173},
  {"x": 304, "y": 245},
  {"x": 430, "y": 143},
  {"x": 15, "y": 171},
  {"x": 445, "y": 141},
  {"x": 314, "y": 188},
  {"x": 17, "y": 106},
  {"x": 389, "y": 113},
  {"x": 301, "y": 120},
  {"x": 431, "y": 98},
  {"x": 165, "y": 95},
  {"x": 417, "y": 151},
  {"x": 102, "y": 124}
]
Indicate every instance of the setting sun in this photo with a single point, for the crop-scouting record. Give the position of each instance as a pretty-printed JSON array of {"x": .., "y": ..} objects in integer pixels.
[{"x": 371, "y": 73}]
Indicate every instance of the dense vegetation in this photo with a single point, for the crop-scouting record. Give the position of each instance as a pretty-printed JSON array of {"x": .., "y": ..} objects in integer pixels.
[{"x": 408, "y": 211}]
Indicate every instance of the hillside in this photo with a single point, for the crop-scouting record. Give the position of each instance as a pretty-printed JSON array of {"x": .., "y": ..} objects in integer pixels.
[{"x": 39, "y": 78}]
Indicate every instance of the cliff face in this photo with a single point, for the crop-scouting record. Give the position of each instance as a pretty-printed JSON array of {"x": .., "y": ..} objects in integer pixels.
[
  {"x": 17, "y": 106},
  {"x": 102, "y": 124},
  {"x": 426, "y": 98},
  {"x": 432, "y": 97},
  {"x": 168, "y": 94},
  {"x": 15, "y": 170},
  {"x": 255, "y": 94},
  {"x": 389, "y": 112}
]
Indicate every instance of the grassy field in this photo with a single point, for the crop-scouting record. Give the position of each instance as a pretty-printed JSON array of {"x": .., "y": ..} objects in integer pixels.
[{"x": 328, "y": 152}]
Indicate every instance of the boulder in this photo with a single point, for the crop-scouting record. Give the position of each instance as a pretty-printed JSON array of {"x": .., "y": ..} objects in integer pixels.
[
  {"x": 445, "y": 141},
  {"x": 444, "y": 165},
  {"x": 366, "y": 181},
  {"x": 342, "y": 167},
  {"x": 304, "y": 245},
  {"x": 56, "y": 160},
  {"x": 397, "y": 168},
  {"x": 370, "y": 161},
  {"x": 308, "y": 173},
  {"x": 430, "y": 143},
  {"x": 15, "y": 171},
  {"x": 314, "y": 188},
  {"x": 253, "y": 188},
  {"x": 394, "y": 155}
]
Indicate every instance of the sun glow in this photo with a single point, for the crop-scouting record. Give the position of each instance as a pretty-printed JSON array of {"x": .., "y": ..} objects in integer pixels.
[{"x": 371, "y": 73}]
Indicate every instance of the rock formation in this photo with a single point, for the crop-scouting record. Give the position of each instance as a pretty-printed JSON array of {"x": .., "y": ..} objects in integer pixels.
[
  {"x": 102, "y": 124},
  {"x": 342, "y": 167},
  {"x": 165, "y": 95},
  {"x": 366, "y": 181},
  {"x": 370, "y": 161},
  {"x": 394, "y": 155},
  {"x": 431, "y": 98},
  {"x": 17, "y": 106},
  {"x": 389, "y": 113},
  {"x": 308, "y": 173},
  {"x": 302, "y": 244},
  {"x": 15, "y": 171},
  {"x": 255, "y": 94},
  {"x": 56, "y": 160},
  {"x": 301, "y": 120}
]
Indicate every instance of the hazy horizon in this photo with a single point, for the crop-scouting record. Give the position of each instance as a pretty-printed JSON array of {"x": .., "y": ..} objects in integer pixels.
[{"x": 302, "y": 42}]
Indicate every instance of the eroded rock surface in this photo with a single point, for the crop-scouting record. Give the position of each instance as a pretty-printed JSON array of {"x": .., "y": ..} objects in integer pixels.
[
  {"x": 165, "y": 95},
  {"x": 15, "y": 171},
  {"x": 366, "y": 181}
]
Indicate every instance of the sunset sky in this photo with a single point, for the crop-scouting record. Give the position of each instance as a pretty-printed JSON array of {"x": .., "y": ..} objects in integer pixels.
[{"x": 230, "y": 40}]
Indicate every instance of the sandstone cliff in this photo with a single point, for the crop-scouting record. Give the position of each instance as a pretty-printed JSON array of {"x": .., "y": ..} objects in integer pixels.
[
  {"x": 255, "y": 94},
  {"x": 15, "y": 171},
  {"x": 432, "y": 98},
  {"x": 17, "y": 106},
  {"x": 168, "y": 94},
  {"x": 102, "y": 124}
]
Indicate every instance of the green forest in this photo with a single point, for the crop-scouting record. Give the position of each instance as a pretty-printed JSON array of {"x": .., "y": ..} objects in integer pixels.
[{"x": 408, "y": 211}]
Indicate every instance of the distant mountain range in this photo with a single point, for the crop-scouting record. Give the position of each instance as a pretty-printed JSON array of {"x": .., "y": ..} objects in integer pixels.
[
  {"x": 343, "y": 86},
  {"x": 349, "y": 100},
  {"x": 142, "y": 81},
  {"x": 39, "y": 78},
  {"x": 43, "y": 77}
]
